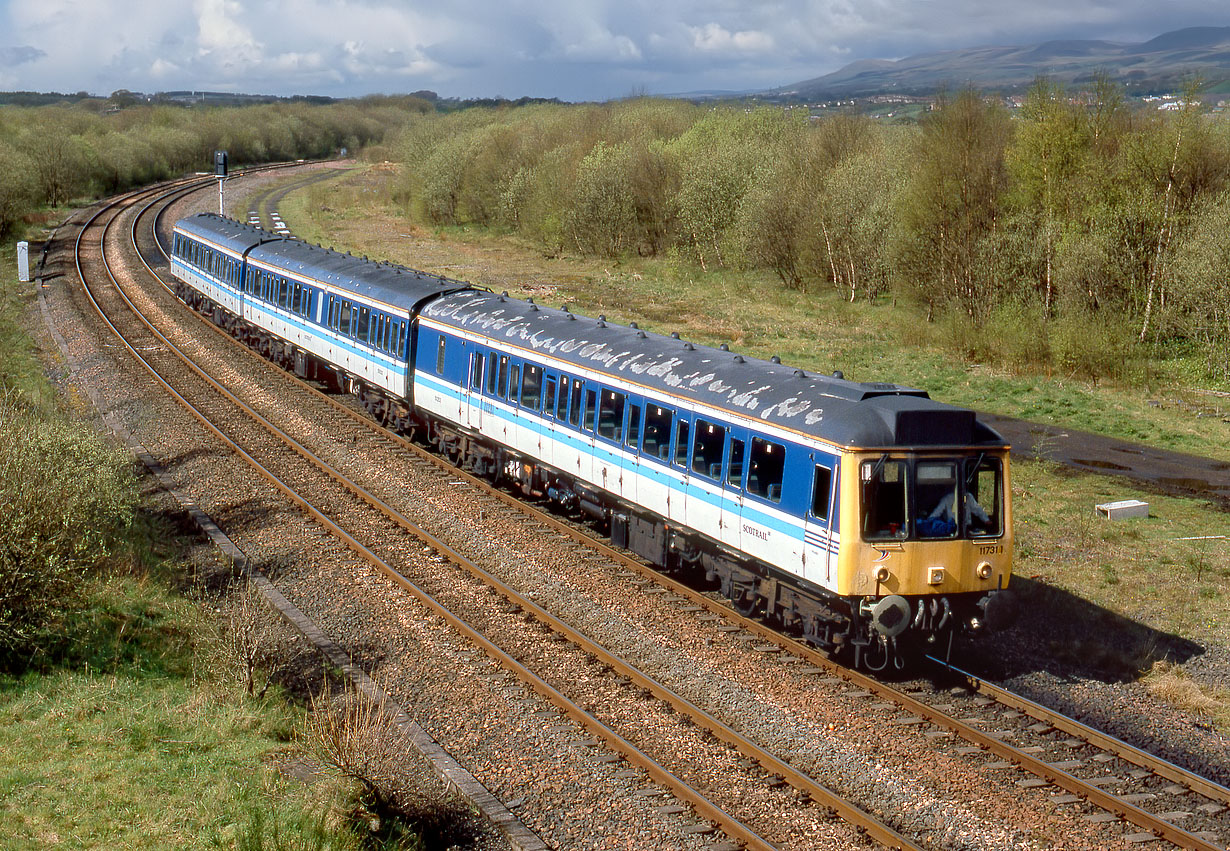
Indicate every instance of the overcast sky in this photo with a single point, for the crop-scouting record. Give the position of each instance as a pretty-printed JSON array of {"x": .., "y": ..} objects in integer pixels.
[{"x": 570, "y": 49}]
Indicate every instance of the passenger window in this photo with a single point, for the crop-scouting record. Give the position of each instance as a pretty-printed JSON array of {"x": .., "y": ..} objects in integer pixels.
[
  {"x": 514, "y": 381},
  {"x": 476, "y": 373},
  {"x": 734, "y": 474},
  {"x": 492, "y": 372},
  {"x": 561, "y": 407},
  {"x": 531, "y": 386},
  {"x": 502, "y": 387},
  {"x": 681, "y": 444},
  {"x": 440, "y": 356},
  {"x": 708, "y": 443},
  {"x": 591, "y": 403},
  {"x": 574, "y": 411},
  {"x": 611, "y": 415},
  {"x": 343, "y": 324},
  {"x": 632, "y": 435},
  {"x": 548, "y": 405},
  {"x": 821, "y": 486},
  {"x": 362, "y": 330},
  {"x": 658, "y": 432},
  {"x": 767, "y": 465}
]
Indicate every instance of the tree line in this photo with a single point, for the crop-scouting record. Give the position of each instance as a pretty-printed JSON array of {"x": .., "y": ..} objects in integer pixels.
[
  {"x": 1076, "y": 233},
  {"x": 50, "y": 155}
]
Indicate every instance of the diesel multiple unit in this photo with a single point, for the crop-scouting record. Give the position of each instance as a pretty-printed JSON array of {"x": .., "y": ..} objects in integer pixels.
[{"x": 866, "y": 517}]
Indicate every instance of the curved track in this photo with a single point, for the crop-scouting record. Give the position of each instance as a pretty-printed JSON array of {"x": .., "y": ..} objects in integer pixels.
[{"x": 326, "y": 503}]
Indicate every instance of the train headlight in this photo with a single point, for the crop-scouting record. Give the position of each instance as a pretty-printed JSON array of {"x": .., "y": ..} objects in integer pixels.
[
  {"x": 984, "y": 570},
  {"x": 935, "y": 576},
  {"x": 882, "y": 574}
]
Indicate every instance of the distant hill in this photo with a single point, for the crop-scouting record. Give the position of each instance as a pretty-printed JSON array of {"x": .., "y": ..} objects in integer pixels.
[{"x": 1157, "y": 65}]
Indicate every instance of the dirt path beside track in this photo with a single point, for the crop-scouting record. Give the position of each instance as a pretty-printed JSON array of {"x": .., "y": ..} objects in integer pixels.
[{"x": 1170, "y": 472}]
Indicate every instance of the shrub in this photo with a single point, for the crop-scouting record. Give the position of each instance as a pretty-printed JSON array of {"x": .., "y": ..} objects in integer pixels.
[{"x": 65, "y": 498}]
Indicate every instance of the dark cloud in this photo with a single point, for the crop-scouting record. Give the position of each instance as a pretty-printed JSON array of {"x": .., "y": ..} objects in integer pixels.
[{"x": 11, "y": 57}]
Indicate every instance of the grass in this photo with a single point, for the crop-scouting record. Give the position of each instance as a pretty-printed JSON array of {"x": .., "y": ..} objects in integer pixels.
[
  {"x": 1126, "y": 594},
  {"x": 130, "y": 739}
]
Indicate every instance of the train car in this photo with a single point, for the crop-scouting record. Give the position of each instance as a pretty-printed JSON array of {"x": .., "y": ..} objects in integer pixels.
[
  {"x": 321, "y": 313},
  {"x": 867, "y": 517}
]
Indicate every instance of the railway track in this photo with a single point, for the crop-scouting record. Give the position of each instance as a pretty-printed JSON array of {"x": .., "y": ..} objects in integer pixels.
[
  {"x": 334, "y": 501},
  {"x": 927, "y": 720}
]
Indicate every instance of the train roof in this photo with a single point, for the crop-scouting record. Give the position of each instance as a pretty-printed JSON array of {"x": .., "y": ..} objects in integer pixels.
[
  {"x": 847, "y": 413},
  {"x": 387, "y": 283}
]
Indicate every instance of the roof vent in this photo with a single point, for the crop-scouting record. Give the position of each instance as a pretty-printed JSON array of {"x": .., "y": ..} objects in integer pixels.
[
  {"x": 564, "y": 307},
  {"x": 533, "y": 307},
  {"x": 504, "y": 294},
  {"x": 530, "y": 299},
  {"x": 800, "y": 373},
  {"x": 572, "y": 317},
  {"x": 724, "y": 347},
  {"x": 641, "y": 334},
  {"x": 689, "y": 347},
  {"x": 601, "y": 324},
  {"x": 738, "y": 358},
  {"x": 602, "y": 317},
  {"x": 838, "y": 374},
  {"x": 502, "y": 297},
  {"x": 775, "y": 359},
  {"x": 633, "y": 325},
  {"x": 674, "y": 335}
]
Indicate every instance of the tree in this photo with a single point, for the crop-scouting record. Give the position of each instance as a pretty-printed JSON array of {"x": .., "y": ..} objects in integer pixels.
[
  {"x": 1045, "y": 158},
  {"x": 952, "y": 204}
]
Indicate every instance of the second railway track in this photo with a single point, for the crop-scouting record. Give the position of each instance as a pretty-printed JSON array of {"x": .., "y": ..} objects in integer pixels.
[{"x": 753, "y": 693}]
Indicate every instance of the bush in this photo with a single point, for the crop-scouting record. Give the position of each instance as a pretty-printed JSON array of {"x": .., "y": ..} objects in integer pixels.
[{"x": 65, "y": 498}]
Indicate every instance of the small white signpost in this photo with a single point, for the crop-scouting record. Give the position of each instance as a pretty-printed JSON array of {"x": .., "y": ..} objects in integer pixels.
[{"x": 23, "y": 261}]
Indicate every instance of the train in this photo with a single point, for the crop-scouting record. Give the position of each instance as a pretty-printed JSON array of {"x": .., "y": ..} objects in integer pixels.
[{"x": 865, "y": 517}]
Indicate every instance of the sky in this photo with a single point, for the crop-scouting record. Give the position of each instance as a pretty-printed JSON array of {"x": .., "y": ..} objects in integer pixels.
[{"x": 569, "y": 49}]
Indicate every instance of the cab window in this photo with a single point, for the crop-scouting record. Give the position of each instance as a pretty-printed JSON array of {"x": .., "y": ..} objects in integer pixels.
[{"x": 883, "y": 485}]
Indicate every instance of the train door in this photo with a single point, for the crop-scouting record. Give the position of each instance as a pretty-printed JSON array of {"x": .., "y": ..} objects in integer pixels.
[
  {"x": 550, "y": 435},
  {"x": 654, "y": 464},
  {"x": 704, "y": 500},
  {"x": 632, "y": 443},
  {"x": 474, "y": 391},
  {"x": 820, "y": 543},
  {"x": 586, "y": 464},
  {"x": 681, "y": 442},
  {"x": 732, "y": 491},
  {"x": 608, "y": 463}
]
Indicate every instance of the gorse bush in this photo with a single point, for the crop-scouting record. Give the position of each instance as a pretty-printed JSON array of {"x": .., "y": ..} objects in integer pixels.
[{"x": 65, "y": 500}]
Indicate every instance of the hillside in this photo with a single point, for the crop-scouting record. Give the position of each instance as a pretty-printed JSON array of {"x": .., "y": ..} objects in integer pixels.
[{"x": 1159, "y": 64}]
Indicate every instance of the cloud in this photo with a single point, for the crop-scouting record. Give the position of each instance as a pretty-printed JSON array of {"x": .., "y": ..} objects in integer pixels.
[
  {"x": 13, "y": 56},
  {"x": 573, "y": 49},
  {"x": 717, "y": 39}
]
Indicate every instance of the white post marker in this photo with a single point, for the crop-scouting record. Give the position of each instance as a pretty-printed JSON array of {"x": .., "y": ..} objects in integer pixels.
[{"x": 23, "y": 262}]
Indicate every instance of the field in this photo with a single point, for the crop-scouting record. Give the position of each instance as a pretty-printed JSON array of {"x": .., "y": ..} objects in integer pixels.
[{"x": 1137, "y": 589}]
